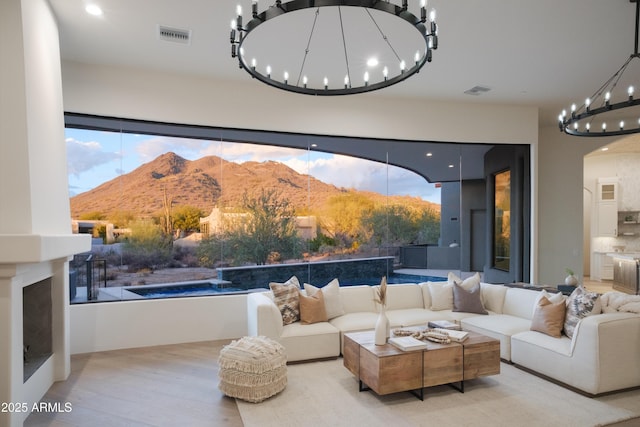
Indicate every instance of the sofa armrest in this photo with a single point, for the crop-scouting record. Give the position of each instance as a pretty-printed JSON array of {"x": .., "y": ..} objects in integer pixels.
[
  {"x": 609, "y": 344},
  {"x": 263, "y": 316}
]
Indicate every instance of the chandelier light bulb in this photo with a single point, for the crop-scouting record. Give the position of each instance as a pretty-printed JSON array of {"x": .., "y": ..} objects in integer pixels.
[
  {"x": 385, "y": 73},
  {"x": 402, "y": 66},
  {"x": 239, "y": 10},
  {"x": 242, "y": 51},
  {"x": 604, "y": 127},
  {"x": 564, "y": 114},
  {"x": 560, "y": 118},
  {"x": 346, "y": 81},
  {"x": 621, "y": 124},
  {"x": 286, "y": 77},
  {"x": 326, "y": 83},
  {"x": 305, "y": 80},
  {"x": 588, "y": 127},
  {"x": 575, "y": 125},
  {"x": 607, "y": 96},
  {"x": 417, "y": 56},
  {"x": 269, "y": 71},
  {"x": 423, "y": 3},
  {"x": 253, "y": 63},
  {"x": 573, "y": 108},
  {"x": 234, "y": 24},
  {"x": 366, "y": 78},
  {"x": 432, "y": 15}
]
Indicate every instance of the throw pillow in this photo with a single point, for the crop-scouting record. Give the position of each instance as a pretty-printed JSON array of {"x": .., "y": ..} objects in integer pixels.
[
  {"x": 467, "y": 283},
  {"x": 553, "y": 298},
  {"x": 441, "y": 295},
  {"x": 332, "y": 299},
  {"x": 285, "y": 295},
  {"x": 580, "y": 304},
  {"x": 467, "y": 301},
  {"x": 312, "y": 309},
  {"x": 549, "y": 317}
]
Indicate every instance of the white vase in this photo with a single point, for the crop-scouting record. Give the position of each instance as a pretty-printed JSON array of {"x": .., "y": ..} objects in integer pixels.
[
  {"x": 571, "y": 280},
  {"x": 382, "y": 331}
]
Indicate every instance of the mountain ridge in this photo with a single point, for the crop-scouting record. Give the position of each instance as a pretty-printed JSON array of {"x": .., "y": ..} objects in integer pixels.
[{"x": 211, "y": 182}]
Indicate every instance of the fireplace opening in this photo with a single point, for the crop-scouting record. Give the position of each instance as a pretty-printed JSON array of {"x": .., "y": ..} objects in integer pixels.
[{"x": 37, "y": 330}]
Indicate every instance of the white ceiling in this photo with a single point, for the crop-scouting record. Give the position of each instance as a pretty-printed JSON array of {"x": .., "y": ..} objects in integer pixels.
[{"x": 545, "y": 53}]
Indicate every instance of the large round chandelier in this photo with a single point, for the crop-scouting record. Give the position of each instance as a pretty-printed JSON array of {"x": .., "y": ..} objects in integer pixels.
[
  {"x": 333, "y": 47},
  {"x": 613, "y": 109}
]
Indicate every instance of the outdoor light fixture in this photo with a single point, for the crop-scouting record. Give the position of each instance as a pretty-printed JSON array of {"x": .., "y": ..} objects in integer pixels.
[
  {"x": 615, "y": 101},
  {"x": 333, "y": 47}
]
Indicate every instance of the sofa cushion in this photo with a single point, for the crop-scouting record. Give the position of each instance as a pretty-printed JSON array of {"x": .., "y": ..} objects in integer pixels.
[
  {"x": 499, "y": 326},
  {"x": 357, "y": 299},
  {"x": 415, "y": 317},
  {"x": 285, "y": 295},
  {"x": 580, "y": 304},
  {"x": 352, "y": 322},
  {"x": 306, "y": 342},
  {"x": 520, "y": 302},
  {"x": 493, "y": 297},
  {"x": 332, "y": 298},
  {"x": 312, "y": 308},
  {"x": 468, "y": 301},
  {"x": 401, "y": 296},
  {"x": 441, "y": 295},
  {"x": 549, "y": 317}
]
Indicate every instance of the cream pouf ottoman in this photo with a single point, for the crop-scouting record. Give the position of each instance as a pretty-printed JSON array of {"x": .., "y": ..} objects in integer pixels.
[{"x": 252, "y": 369}]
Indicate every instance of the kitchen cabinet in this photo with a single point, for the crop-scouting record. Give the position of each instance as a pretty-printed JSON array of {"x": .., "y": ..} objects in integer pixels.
[
  {"x": 607, "y": 207},
  {"x": 602, "y": 266}
]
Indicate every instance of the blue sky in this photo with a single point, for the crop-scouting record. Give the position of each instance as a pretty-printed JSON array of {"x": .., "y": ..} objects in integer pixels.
[{"x": 95, "y": 157}]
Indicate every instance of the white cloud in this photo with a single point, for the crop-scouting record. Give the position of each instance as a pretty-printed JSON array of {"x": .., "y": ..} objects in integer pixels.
[
  {"x": 361, "y": 174},
  {"x": 84, "y": 156},
  {"x": 151, "y": 148}
]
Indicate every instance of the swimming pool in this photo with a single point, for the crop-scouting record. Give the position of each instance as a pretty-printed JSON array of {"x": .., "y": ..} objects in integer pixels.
[
  {"x": 178, "y": 290},
  {"x": 393, "y": 278},
  {"x": 215, "y": 287}
]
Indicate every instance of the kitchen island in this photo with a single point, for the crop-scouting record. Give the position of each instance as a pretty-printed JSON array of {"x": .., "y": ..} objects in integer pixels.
[{"x": 625, "y": 271}]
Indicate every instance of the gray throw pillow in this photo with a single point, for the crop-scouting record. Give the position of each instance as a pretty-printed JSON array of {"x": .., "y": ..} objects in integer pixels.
[{"x": 467, "y": 301}]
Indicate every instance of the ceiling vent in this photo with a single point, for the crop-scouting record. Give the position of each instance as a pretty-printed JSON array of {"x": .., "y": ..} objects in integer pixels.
[
  {"x": 175, "y": 35},
  {"x": 477, "y": 90}
]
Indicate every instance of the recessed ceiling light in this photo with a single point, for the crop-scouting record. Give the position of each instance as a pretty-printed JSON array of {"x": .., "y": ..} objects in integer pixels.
[
  {"x": 372, "y": 62},
  {"x": 429, "y": 154},
  {"x": 605, "y": 148},
  {"x": 93, "y": 9},
  {"x": 451, "y": 166}
]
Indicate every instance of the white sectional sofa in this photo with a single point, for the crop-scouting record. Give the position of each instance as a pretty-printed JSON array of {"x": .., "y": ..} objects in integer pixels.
[{"x": 602, "y": 356}]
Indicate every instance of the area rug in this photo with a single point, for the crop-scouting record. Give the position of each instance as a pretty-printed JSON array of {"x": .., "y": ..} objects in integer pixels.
[{"x": 326, "y": 394}]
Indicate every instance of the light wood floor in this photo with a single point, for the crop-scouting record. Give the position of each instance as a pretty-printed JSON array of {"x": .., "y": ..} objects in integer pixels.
[{"x": 174, "y": 385}]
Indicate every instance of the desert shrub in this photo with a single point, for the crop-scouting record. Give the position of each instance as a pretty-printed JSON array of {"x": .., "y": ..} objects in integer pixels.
[{"x": 147, "y": 247}]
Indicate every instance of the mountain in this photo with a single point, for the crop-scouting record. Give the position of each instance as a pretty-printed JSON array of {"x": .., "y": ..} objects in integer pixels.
[{"x": 207, "y": 182}]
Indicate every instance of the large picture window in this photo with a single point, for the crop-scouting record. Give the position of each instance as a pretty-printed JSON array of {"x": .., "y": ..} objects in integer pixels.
[{"x": 171, "y": 203}]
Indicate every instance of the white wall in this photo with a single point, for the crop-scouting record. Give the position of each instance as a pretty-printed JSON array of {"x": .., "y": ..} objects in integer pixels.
[
  {"x": 560, "y": 203},
  {"x": 141, "y": 323},
  {"x": 248, "y": 104}
]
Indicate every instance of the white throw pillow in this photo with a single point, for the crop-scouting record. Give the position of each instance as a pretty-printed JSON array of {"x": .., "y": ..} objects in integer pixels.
[
  {"x": 441, "y": 295},
  {"x": 331, "y": 294},
  {"x": 467, "y": 284}
]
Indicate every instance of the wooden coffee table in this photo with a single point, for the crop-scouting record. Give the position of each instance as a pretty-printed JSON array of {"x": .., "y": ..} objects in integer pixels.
[{"x": 386, "y": 369}]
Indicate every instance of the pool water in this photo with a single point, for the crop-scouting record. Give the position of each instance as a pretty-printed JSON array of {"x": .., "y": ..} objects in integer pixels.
[
  {"x": 191, "y": 290},
  {"x": 393, "y": 278},
  {"x": 208, "y": 288}
]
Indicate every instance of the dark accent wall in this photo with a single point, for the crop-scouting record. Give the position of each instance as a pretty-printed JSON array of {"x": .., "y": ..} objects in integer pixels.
[
  {"x": 473, "y": 199},
  {"x": 516, "y": 158}
]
